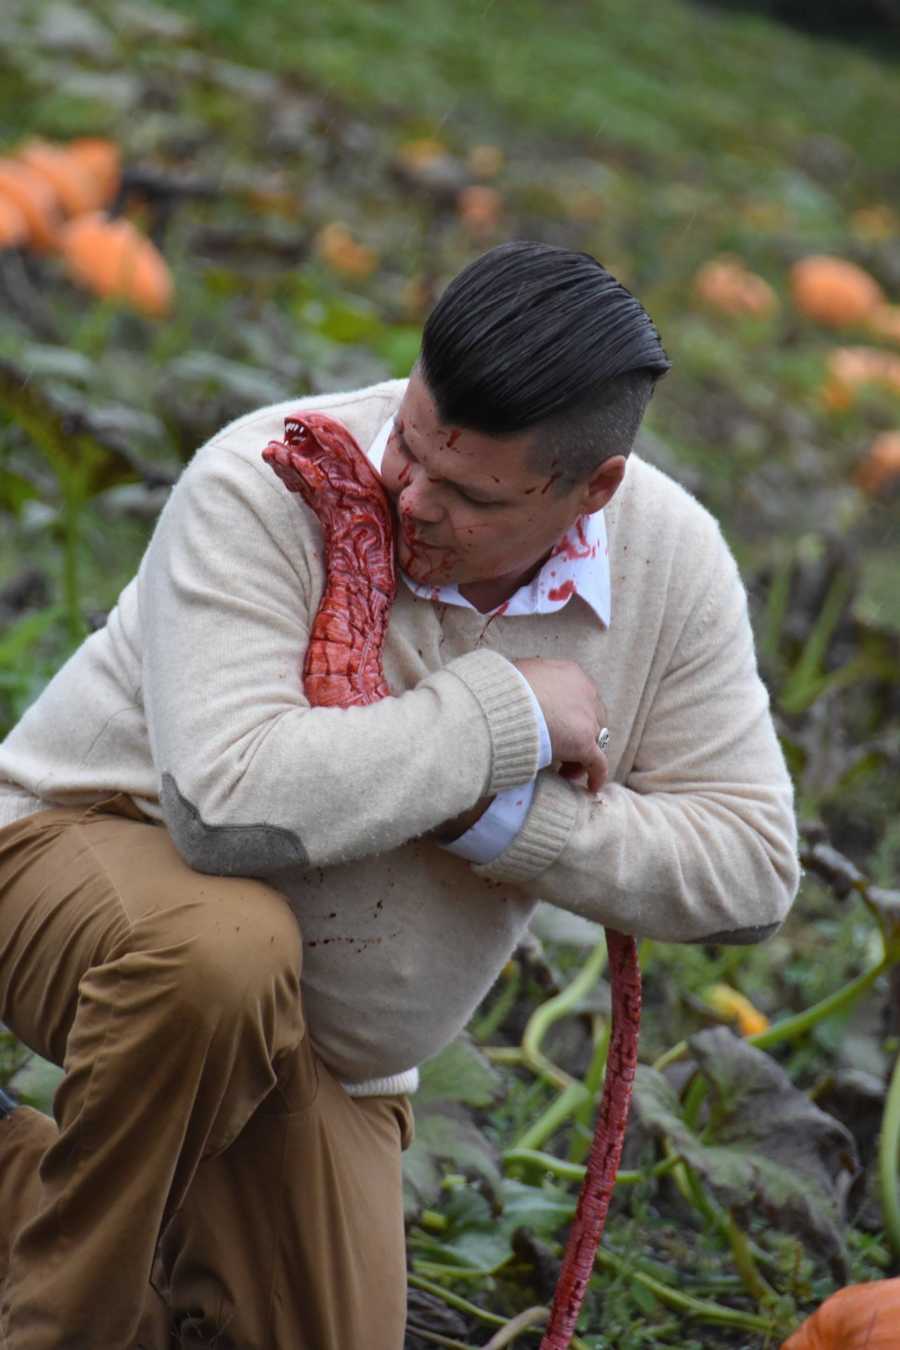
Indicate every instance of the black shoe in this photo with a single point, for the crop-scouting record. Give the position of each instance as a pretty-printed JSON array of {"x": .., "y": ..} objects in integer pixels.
[{"x": 7, "y": 1105}]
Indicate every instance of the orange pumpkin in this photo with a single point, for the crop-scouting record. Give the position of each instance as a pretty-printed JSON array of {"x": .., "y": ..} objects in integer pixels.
[
  {"x": 13, "y": 225},
  {"x": 860, "y": 1317},
  {"x": 75, "y": 188},
  {"x": 480, "y": 209},
  {"x": 338, "y": 249},
  {"x": 36, "y": 200},
  {"x": 726, "y": 285},
  {"x": 852, "y": 368},
  {"x": 102, "y": 160},
  {"x": 834, "y": 291},
  {"x": 113, "y": 259},
  {"x": 881, "y": 463}
]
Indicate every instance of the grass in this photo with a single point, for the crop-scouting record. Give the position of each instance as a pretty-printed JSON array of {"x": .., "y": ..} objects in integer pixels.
[{"x": 679, "y": 81}]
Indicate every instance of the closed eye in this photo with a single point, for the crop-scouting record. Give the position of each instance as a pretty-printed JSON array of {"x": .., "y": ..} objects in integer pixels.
[
  {"x": 457, "y": 487},
  {"x": 476, "y": 501}
]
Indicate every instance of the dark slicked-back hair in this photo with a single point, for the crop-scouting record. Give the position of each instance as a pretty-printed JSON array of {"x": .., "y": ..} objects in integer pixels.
[{"x": 534, "y": 337}]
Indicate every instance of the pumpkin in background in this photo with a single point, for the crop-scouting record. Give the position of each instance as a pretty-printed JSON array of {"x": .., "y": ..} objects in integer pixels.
[
  {"x": 480, "y": 210},
  {"x": 102, "y": 160},
  {"x": 880, "y": 466},
  {"x": 76, "y": 187},
  {"x": 850, "y": 369},
  {"x": 339, "y": 251},
  {"x": 113, "y": 259},
  {"x": 13, "y": 225},
  {"x": 860, "y": 1317},
  {"x": 834, "y": 291},
  {"x": 35, "y": 199},
  {"x": 729, "y": 287}
]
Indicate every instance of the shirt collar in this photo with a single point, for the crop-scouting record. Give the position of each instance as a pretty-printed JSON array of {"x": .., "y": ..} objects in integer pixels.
[{"x": 578, "y": 565}]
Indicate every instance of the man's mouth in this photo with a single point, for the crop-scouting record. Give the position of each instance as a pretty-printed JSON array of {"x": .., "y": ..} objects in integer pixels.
[
  {"x": 426, "y": 562},
  {"x": 416, "y": 544}
]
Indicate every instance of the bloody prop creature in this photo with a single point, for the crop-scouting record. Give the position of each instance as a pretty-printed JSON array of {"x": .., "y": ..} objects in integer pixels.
[{"x": 321, "y": 461}]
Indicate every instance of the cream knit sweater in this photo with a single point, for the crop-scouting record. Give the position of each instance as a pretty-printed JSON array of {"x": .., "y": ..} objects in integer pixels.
[{"x": 189, "y": 700}]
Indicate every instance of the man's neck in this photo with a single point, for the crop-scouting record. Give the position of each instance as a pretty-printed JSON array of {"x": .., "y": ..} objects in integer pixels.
[{"x": 488, "y": 595}]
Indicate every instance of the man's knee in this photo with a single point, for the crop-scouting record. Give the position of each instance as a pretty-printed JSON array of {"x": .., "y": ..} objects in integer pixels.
[{"x": 231, "y": 949}]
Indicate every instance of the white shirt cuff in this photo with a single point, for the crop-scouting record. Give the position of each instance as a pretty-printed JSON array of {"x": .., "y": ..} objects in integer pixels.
[{"x": 493, "y": 833}]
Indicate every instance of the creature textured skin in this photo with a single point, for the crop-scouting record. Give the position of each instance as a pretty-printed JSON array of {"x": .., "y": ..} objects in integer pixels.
[{"x": 321, "y": 461}]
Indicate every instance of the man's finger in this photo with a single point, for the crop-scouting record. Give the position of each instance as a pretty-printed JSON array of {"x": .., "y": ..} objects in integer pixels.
[
  {"x": 597, "y": 772},
  {"x": 571, "y": 768},
  {"x": 595, "y": 766}
]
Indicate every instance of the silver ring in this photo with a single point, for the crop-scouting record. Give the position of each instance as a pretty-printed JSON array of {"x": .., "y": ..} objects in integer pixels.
[{"x": 603, "y": 739}]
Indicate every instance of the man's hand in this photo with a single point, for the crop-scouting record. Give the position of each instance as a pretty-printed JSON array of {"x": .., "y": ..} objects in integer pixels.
[{"x": 575, "y": 714}]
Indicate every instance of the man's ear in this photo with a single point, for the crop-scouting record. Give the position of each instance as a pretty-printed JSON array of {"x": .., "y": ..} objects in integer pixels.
[{"x": 603, "y": 483}]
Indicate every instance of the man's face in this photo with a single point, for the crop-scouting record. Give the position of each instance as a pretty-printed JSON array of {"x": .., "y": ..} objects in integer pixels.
[{"x": 469, "y": 507}]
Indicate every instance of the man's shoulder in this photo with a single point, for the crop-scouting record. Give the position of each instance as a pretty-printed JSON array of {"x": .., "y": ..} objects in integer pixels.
[
  {"x": 229, "y": 468},
  {"x": 362, "y": 411},
  {"x": 653, "y": 504}
]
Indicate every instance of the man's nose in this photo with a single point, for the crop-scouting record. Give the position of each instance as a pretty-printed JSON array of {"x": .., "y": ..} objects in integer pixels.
[{"x": 419, "y": 498}]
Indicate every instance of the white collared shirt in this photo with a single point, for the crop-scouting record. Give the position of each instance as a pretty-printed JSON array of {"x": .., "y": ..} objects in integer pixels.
[{"x": 578, "y": 565}]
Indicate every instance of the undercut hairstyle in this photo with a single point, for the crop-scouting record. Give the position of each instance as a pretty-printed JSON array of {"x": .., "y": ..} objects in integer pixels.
[{"x": 534, "y": 337}]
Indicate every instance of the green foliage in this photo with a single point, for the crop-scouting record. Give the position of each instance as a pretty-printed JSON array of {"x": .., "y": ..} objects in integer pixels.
[{"x": 764, "y": 1147}]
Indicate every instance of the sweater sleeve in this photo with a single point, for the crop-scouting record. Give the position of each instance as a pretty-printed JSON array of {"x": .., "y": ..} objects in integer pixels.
[
  {"x": 698, "y": 844},
  {"x": 252, "y": 779}
]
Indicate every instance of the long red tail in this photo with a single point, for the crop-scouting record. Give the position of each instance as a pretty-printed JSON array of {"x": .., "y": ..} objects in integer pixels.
[{"x": 606, "y": 1149}]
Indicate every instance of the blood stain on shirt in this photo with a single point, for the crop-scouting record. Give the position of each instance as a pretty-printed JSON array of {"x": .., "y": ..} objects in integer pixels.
[{"x": 562, "y": 592}]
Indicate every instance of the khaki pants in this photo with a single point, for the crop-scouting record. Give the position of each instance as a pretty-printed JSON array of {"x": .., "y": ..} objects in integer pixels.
[{"x": 197, "y": 1137}]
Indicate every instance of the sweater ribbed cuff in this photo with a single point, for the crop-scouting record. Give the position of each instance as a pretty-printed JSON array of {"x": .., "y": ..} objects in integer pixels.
[
  {"x": 395, "y": 1085},
  {"x": 507, "y": 707},
  {"x": 16, "y": 803},
  {"x": 544, "y": 835}
]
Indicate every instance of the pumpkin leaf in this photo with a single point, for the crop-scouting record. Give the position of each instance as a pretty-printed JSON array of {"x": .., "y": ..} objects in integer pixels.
[
  {"x": 205, "y": 372},
  {"x": 877, "y": 601},
  {"x": 479, "y": 1238},
  {"x": 460, "y": 1073},
  {"x": 36, "y": 1082},
  {"x": 766, "y": 1148},
  {"x": 445, "y": 1134},
  {"x": 459, "y": 1077},
  {"x": 542, "y": 1210},
  {"x": 82, "y": 453},
  {"x": 15, "y": 491},
  {"x": 20, "y": 636}
]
